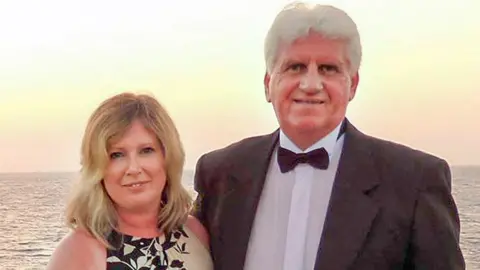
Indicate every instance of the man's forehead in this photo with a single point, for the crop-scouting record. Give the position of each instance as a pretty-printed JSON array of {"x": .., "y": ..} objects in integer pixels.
[
  {"x": 317, "y": 57},
  {"x": 295, "y": 50}
]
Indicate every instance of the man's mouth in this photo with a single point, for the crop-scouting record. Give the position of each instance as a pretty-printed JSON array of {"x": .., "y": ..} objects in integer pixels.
[{"x": 306, "y": 101}]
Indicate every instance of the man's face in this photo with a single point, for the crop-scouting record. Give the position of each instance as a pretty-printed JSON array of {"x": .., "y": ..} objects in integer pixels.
[{"x": 310, "y": 87}]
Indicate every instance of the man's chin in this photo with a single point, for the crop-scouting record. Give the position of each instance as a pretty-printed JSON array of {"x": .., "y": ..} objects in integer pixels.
[
  {"x": 309, "y": 127},
  {"x": 309, "y": 124}
]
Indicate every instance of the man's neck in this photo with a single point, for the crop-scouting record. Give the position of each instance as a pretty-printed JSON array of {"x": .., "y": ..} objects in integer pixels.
[{"x": 306, "y": 139}]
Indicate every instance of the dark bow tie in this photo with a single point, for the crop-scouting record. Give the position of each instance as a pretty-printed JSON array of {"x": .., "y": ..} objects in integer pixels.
[{"x": 287, "y": 160}]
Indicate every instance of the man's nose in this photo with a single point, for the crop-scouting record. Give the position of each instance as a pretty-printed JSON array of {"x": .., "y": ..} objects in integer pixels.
[{"x": 311, "y": 81}]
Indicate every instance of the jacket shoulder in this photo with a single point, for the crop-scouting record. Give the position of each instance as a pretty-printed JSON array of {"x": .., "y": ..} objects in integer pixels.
[
  {"x": 403, "y": 155},
  {"x": 235, "y": 151},
  {"x": 420, "y": 168}
]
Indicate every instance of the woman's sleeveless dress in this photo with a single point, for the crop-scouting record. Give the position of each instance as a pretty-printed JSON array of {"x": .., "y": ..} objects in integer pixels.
[{"x": 179, "y": 250}]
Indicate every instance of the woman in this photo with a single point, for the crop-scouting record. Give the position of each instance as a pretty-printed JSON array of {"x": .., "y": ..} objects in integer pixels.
[{"x": 130, "y": 210}]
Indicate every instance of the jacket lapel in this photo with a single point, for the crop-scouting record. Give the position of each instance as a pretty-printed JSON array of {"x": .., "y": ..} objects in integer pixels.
[
  {"x": 351, "y": 211},
  {"x": 246, "y": 179}
]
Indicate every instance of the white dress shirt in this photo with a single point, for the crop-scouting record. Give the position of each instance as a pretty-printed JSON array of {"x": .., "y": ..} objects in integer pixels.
[{"x": 292, "y": 209}]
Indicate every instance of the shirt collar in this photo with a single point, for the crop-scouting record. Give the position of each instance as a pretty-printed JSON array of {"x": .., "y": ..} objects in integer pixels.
[{"x": 328, "y": 142}]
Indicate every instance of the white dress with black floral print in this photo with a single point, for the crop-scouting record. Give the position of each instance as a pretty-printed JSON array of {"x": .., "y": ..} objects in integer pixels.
[{"x": 178, "y": 250}]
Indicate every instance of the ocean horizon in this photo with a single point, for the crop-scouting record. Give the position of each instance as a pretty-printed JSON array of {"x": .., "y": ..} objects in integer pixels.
[{"x": 32, "y": 206}]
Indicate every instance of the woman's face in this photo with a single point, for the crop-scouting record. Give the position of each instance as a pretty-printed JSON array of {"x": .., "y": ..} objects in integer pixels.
[{"x": 135, "y": 176}]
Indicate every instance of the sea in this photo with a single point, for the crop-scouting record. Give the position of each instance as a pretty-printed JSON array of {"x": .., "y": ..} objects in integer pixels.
[{"x": 32, "y": 204}]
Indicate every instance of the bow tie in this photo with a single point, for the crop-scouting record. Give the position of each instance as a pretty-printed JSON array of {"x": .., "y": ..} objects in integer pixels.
[{"x": 287, "y": 160}]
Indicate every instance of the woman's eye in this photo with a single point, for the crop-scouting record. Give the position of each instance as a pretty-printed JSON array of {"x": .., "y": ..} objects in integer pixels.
[
  {"x": 147, "y": 150},
  {"x": 115, "y": 155}
]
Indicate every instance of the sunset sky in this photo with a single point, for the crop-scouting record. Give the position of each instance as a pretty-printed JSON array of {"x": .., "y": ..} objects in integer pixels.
[{"x": 203, "y": 60}]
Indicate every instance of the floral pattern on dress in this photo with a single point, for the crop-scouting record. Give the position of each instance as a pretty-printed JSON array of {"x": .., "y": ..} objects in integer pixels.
[{"x": 135, "y": 253}]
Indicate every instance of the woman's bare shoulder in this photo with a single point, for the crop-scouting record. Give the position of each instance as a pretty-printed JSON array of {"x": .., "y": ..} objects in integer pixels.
[
  {"x": 78, "y": 250},
  {"x": 199, "y": 230}
]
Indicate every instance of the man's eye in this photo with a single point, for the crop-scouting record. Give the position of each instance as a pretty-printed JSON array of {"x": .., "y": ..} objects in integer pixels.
[
  {"x": 296, "y": 67},
  {"x": 328, "y": 69}
]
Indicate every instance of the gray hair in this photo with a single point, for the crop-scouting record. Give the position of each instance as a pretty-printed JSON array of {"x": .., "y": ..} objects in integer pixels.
[{"x": 297, "y": 19}]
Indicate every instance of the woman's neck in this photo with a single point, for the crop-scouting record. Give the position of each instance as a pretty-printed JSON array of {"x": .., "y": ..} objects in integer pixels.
[{"x": 140, "y": 224}]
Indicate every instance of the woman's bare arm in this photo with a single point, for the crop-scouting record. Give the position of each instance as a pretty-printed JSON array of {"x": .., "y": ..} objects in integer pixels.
[{"x": 78, "y": 250}]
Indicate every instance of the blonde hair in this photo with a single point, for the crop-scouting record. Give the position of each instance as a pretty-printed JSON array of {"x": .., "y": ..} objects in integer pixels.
[
  {"x": 90, "y": 207},
  {"x": 298, "y": 19}
]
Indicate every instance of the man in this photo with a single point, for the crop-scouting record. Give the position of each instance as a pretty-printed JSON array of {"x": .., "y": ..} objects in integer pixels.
[{"x": 352, "y": 202}]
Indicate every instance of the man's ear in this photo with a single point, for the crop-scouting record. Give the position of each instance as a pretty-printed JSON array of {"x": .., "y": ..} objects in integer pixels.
[
  {"x": 266, "y": 83},
  {"x": 353, "y": 88}
]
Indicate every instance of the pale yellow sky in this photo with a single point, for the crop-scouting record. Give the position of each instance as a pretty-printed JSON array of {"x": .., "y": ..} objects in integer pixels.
[{"x": 204, "y": 61}]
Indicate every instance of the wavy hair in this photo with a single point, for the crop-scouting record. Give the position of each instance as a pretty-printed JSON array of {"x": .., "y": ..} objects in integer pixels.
[{"x": 90, "y": 207}]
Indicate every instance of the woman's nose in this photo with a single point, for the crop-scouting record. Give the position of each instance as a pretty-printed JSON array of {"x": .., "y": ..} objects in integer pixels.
[{"x": 133, "y": 166}]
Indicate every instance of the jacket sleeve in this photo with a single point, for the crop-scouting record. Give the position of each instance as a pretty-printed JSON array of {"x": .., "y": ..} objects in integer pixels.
[
  {"x": 436, "y": 226},
  {"x": 200, "y": 204}
]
